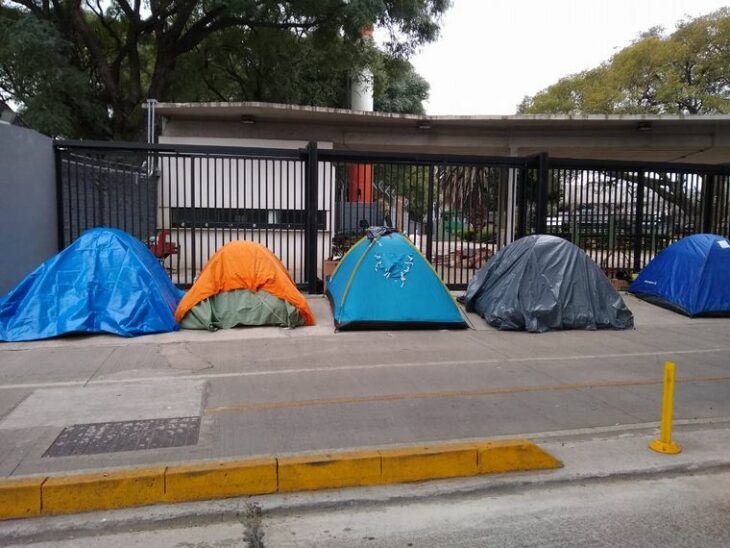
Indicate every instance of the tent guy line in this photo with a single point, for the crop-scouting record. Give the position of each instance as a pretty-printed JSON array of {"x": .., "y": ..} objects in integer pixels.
[{"x": 289, "y": 371}]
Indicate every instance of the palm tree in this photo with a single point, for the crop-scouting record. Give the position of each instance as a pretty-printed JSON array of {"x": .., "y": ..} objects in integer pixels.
[{"x": 471, "y": 190}]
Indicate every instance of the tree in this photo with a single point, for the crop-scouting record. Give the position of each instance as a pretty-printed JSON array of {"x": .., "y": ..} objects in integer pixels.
[
  {"x": 267, "y": 65},
  {"x": 398, "y": 87},
  {"x": 93, "y": 63},
  {"x": 686, "y": 72}
]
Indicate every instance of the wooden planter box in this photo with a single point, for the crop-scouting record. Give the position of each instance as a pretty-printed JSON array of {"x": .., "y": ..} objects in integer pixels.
[{"x": 327, "y": 270}]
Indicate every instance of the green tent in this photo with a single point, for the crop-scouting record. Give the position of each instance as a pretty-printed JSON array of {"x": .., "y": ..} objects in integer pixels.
[{"x": 241, "y": 307}]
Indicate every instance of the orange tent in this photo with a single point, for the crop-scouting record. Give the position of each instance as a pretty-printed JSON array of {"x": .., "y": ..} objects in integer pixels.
[{"x": 244, "y": 265}]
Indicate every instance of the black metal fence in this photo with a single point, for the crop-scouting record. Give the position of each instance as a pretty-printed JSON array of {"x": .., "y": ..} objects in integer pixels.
[
  {"x": 457, "y": 210},
  {"x": 186, "y": 202},
  {"x": 624, "y": 213},
  {"x": 310, "y": 205}
]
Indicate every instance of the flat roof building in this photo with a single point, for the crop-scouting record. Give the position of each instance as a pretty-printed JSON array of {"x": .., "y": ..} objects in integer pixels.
[{"x": 666, "y": 138}]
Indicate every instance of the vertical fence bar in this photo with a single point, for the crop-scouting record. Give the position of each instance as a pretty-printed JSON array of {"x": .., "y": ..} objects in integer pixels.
[
  {"x": 441, "y": 172},
  {"x": 214, "y": 212},
  {"x": 638, "y": 221},
  {"x": 722, "y": 211},
  {"x": 310, "y": 247},
  {"x": 77, "y": 192},
  {"x": 542, "y": 189},
  {"x": 179, "y": 189},
  {"x": 522, "y": 196},
  {"x": 708, "y": 194},
  {"x": 59, "y": 199},
  {"x": 429, "y": 215},
  {"x": 193, "y": 234}
]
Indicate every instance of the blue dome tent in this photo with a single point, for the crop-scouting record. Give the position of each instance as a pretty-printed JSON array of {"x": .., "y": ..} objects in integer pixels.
[
  {"x": 384, "y": 282},
  {"x": 691, "y": 276},
  {"x": 105, "y": 282}
]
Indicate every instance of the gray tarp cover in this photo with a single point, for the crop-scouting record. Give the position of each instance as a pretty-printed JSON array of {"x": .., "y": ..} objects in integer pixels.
[{"x": 543, "y": 282}]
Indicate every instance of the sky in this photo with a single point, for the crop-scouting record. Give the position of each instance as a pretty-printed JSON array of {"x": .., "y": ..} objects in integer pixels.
[{"x": 491, "y": 53}]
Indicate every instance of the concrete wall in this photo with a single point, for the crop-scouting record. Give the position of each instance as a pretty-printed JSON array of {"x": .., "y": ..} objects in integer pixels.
[{"x": 28, "y": 226}]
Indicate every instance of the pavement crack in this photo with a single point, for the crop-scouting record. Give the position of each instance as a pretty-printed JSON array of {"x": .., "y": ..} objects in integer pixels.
[
  {"x": 209, "y": 364},
  {"x": 182, "y": 357},
  {"x": 96, "y": 371},
  {"x": 250, "y": 518}
]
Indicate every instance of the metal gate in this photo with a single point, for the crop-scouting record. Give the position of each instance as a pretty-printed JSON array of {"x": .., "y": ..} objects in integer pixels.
[
  {"x": 457, "y": 210},
  {"x": 186, "y": 202}
]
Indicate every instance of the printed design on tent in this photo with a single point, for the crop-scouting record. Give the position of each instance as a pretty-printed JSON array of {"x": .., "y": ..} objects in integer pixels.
[{"x": 394, "y": 266}]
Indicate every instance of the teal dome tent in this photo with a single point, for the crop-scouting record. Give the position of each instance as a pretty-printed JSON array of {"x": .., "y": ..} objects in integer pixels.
[{"x": 384, "y": 282}]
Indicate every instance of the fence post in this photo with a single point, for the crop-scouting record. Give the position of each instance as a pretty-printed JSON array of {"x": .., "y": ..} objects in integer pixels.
[
  {"x": 708, "y": 197},
  {"x": 542, "y": 191},
  {"x": 522, "y": 202},
  {"x": 429, "y": 215},
  {"x": 59, "y": 199},
  {"x": 193, "y": 232},
  {"x": 310, "y": 226},
  {"x": 639, "y": 222}
]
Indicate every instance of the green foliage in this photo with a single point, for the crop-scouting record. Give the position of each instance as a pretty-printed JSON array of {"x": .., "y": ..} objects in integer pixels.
[
  {"x": 36, "y": 70},
  {"x": 485, "y": 235},
  {"x": 472, "y": 190},
  {"x": 687, "y": 72},
  {"x": 407, "y": 181},
  {"x": 266, "y": 65},
  {"x": 398, "y": 88},
  {"x": 83, "y": 69}
]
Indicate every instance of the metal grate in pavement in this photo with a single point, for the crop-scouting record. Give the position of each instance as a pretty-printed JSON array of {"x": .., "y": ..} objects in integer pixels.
[{"x": 115, "y": 437}]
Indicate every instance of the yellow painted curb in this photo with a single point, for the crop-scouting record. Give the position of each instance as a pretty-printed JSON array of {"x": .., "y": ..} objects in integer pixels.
[
  {"x": 496, "y": 457},
  {"x": 422, "y": 463},
  {"x": 37, "y": 495},
  {"x": 350, "y": 469},
  {"x": 103, "y": 490},
  {"x": 220, "y": 479},
  {"x": 20, "y": 498}
]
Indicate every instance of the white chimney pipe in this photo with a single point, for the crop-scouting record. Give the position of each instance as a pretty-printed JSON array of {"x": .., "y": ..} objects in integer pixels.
[
  {"x": 361, "y": 93},
  {"x": 361, "y": 89}
]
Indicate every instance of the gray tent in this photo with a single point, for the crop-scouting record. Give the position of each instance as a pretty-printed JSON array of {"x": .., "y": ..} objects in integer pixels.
[{"x": 543, "y": 282}]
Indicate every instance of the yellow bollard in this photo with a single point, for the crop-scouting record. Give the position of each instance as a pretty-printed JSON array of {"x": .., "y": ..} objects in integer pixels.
[{"x": 665, "y": 444}]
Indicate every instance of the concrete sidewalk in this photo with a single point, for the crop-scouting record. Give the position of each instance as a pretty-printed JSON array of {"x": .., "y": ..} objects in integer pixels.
[
  {"x": 267, "y": 391},
  {"x": 591, "y": 457}
]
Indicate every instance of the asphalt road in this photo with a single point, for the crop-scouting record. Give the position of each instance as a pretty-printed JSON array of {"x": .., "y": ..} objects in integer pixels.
[{"x": 688, "y": 510}]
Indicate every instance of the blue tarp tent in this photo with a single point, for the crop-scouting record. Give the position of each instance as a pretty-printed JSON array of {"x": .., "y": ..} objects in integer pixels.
[
  {"x": 385, "y": 282},
  {"x": 691, "y": 276},
  {"x": 105, "y": 282}
]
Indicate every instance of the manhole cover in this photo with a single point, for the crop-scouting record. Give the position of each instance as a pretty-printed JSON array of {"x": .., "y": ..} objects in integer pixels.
[{"x": 115, "y": 437}]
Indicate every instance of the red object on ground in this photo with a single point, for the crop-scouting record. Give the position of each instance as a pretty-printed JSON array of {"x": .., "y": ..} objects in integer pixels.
[{"x": 160, "y": 247}]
